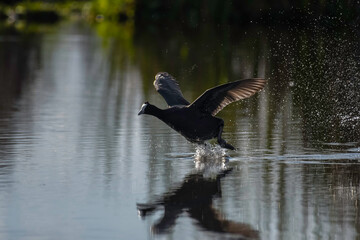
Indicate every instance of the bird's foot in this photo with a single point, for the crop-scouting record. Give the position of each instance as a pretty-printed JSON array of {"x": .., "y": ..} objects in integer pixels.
[{"x": 224, "y": 144}]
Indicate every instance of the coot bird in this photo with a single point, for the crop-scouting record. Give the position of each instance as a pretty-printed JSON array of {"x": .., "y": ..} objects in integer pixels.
[{"x": 196, "y": 121}]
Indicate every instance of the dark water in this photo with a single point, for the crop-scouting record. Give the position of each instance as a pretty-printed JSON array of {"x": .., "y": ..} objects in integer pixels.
[{"x": 76, "y": 162}]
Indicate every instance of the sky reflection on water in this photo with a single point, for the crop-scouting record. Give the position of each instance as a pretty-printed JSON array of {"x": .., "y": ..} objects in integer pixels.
[{"x": 75, "y": 158}]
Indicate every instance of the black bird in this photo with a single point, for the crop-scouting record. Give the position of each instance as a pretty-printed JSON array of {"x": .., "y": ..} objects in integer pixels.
[{"x": 197, "y": 121}]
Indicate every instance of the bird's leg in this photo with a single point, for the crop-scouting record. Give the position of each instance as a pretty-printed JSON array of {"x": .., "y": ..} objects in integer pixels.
[{"x": 221, "y": 141}]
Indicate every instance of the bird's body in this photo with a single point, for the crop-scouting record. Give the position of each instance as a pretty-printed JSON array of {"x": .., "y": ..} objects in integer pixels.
[
  {"x": 195, "y": 126},
  {"x": 197, "y": 121}
]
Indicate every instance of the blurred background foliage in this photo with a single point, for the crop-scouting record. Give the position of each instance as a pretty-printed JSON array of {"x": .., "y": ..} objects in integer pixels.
[{"x": 188, "y": 12}]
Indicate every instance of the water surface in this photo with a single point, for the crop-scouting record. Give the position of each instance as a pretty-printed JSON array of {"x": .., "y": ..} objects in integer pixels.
[{"x": 76, "y": 162}]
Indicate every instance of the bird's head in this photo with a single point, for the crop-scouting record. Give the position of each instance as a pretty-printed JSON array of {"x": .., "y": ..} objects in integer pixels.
[{"x": 143, "y": 109}]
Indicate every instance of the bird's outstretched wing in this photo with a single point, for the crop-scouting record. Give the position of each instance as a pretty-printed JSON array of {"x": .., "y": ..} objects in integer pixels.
[
  {"x": 215, "y": 99},
  {"x": 168, "y": 87}
]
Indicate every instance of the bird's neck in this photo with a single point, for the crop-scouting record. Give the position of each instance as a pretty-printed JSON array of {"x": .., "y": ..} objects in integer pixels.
[{"x": 155, "y": 111}]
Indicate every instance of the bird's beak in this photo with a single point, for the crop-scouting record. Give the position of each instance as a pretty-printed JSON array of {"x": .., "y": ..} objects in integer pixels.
[{"x": 142, "y": 109}]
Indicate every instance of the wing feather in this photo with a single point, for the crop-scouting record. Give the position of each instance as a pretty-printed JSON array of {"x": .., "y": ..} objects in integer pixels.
[
  {"x": 215, "y": 99},
  {"x": 168, "y": 87}
]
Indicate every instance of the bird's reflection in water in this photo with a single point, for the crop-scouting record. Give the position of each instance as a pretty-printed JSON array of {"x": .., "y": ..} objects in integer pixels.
[{"x": 195, "y": 196}]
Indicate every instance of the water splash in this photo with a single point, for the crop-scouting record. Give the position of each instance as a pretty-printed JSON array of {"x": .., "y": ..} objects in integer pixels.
[
  {"x": 210, "y": 159},
  {"x": 321, "y": 65}
]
